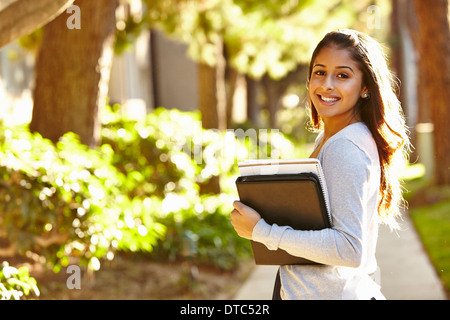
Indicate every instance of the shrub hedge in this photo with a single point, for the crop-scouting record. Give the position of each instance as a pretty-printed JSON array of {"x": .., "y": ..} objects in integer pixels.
[{"x": 139, "y": 191}]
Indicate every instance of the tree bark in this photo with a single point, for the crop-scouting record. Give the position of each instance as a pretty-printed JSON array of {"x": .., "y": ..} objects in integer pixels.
[
  {"x": 72, "y": 73},
  {"x": 275, "y": 89},
  {"x": 434, "y": 70},
  {"x": 232, "y": 77},
  {"x": 212, "y": 93},
  {"x": 210, "y": 119},
  {"x": 212, "y": 97},
  {"x": 207, "y": 98},
  {"x": 23, "y": 16},
  {"x": 252, "y": 101}
]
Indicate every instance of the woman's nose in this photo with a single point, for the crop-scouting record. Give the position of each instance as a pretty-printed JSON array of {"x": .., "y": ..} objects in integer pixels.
[{"x": 328, "y": 83}]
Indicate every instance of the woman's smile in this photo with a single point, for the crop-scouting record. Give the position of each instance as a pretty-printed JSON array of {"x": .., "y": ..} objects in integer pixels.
[{"x": 328, "y": 100}]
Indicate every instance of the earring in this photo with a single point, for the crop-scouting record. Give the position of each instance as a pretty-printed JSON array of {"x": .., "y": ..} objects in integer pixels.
[{"x": 365, "y": 95}]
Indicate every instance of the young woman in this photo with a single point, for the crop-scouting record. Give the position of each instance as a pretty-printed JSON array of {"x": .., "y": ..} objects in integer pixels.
[{"x": 362, "y": 140}]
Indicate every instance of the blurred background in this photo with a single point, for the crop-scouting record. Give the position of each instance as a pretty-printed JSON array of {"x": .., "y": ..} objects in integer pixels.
[{"x": 118, "y": 144}]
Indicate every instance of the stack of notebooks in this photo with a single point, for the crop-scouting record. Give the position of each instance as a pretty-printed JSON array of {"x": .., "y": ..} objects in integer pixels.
[{"x": 286, "y": 192}]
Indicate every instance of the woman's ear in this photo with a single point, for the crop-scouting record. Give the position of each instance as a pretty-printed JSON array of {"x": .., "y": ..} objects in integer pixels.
[{"x": 365, "y": 94}]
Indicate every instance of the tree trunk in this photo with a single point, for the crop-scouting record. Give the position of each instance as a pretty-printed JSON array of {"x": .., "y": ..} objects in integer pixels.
[
  {"x": 72, "y": 73},
  {"x": 212, "y": 95},
  {"x": 221, "y": 90},
  {"x": 210, "y": 120},
  {"x": 275, "y": 89},
  {"x": 212, "y": 98},
  {"x": 231, "y": 81},
  {"x": 434, "y": 71},
  {"x": 23, "y": 16},
  {"x": 207, "y": 98},
  {"x": 252, "y": 101}
]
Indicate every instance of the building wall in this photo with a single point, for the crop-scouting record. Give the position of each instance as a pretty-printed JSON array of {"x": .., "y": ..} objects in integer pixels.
[{"x": 174, "y": 74}]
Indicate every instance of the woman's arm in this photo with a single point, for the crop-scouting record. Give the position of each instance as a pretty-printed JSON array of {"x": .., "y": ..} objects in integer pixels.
[{"x": 347, "y": 173}]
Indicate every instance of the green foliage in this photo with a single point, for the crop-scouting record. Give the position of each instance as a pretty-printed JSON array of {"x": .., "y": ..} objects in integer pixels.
[
  {"x": 429, "y": 209},
  {"x": 433, "y": 225},
  {"x": 140, "y": 191},
  {"x": 16, "y": 283},
  {"x": 65, "y": 199},
  {"x": 168, "y": 156},
  {"x": 202, "y": 233}
]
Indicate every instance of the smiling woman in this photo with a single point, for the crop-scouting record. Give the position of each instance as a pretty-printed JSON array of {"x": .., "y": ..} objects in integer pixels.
[
  {"x": 361, "y": 135},
  {"x": 374, "y": 103},
  {"x": 337, "y": 82}
]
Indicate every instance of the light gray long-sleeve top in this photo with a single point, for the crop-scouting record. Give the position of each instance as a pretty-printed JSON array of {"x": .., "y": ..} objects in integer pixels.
[{"x": 346, "y": 250}]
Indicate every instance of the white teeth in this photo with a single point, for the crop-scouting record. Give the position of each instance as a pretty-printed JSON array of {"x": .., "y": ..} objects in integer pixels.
[{"x": 329, "y": 99}]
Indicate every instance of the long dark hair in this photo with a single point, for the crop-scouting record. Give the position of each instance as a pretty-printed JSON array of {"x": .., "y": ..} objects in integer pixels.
[{"x": 381, "y": 112}]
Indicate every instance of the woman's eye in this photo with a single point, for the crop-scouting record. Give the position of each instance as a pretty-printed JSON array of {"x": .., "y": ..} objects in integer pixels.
[
  {"x": 342, "y": 76},
  {"x": 319, "y": 73}
]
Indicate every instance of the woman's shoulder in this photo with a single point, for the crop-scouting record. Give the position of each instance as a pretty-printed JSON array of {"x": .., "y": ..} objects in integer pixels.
[{"x": 355, "y": 138}]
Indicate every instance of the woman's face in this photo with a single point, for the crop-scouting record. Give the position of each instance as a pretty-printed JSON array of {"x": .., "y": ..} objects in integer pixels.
[{"x": 335, "y": 85}]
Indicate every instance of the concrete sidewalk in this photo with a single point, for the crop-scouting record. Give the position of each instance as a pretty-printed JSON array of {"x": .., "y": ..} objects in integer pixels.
[{"x": 406, "y": 272}]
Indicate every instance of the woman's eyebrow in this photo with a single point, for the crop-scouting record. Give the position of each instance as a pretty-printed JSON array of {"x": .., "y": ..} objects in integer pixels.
[
  {"x": 345, "y": 67},
  {"x": 338, "y": 67}
]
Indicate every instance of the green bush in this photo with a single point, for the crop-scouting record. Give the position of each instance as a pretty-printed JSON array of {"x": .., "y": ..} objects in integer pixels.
[
  {"x": 67, "y": 200},
  {"x": 15, "y": 283},
  {"x": 140, "y": 191},
  {"x": 169, "y": 155}
]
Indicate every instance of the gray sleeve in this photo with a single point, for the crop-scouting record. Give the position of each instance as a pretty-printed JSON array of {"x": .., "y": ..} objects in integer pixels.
[{"x": 346, "y": 169}]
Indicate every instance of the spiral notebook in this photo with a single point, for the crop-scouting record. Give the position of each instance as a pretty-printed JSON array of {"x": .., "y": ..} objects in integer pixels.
[
  {"x": 285, "y": 192},
  {"x": 286, "y": 166}
]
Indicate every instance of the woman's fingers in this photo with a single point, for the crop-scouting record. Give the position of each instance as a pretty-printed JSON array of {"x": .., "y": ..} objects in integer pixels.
[{"x": 244, "y": 219}]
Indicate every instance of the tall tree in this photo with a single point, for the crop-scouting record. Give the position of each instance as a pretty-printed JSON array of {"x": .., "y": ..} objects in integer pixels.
[
  {"x": 433, "y": 44},
  {"x": 72, "y": 72},
  {"x": 21, "y": 17}
]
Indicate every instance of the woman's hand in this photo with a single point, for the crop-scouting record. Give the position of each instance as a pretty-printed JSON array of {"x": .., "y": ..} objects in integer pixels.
[{"x": 244, "y": 219}]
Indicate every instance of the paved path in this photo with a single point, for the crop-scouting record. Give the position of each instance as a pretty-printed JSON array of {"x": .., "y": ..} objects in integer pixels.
[{"x": 406, "y": 272}]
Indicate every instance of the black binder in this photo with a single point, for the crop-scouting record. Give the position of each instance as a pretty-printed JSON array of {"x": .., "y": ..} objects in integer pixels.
[{"x": 294, "y": 200}]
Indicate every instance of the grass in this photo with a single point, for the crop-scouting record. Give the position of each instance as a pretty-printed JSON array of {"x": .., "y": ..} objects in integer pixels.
[
  {"x": 433, "y": 225},
  {"x": 429, "y": 209}
]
